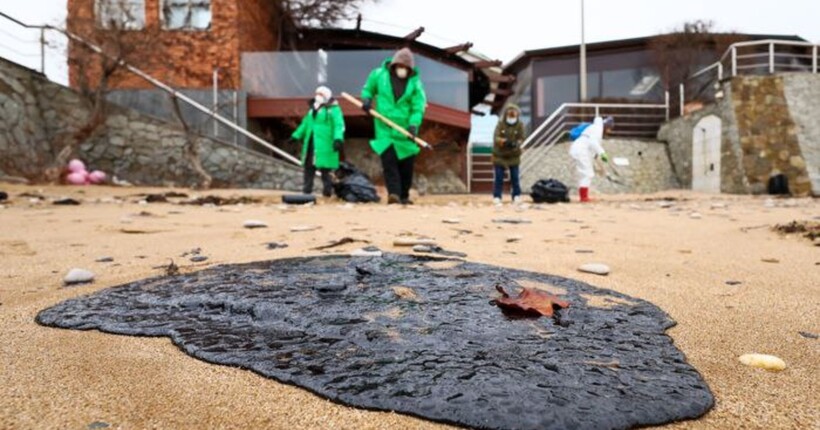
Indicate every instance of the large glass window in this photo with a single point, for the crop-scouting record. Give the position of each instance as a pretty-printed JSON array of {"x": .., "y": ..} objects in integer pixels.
[
  {"x": 553, "y": 91},
  {"x": 298, "y": 73},
  {"x": 120, "y": 14},
  {"x": 186, "y": 14}
]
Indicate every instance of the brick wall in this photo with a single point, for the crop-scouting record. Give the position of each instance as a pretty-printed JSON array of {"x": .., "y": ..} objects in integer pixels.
[{"x": 182, "y": 58}]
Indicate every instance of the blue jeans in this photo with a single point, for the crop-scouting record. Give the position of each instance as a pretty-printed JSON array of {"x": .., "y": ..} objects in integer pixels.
[{"x": 498, "y": 184}]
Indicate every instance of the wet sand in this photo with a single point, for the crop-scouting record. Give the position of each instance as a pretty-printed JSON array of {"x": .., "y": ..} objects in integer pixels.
[{"x": 56, "y": 378}]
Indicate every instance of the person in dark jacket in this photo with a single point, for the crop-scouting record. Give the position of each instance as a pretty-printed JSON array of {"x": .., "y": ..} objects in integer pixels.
[
  {"x": 399, "y": 95},
  {"x": 509, "y": 135}
]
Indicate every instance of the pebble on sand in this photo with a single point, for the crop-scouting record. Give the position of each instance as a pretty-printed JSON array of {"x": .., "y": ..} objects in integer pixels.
[
  {"x": 763, "y": 361},
  {"x": 104, "y": 260},
  {"x": 251, "y": 223},
  {"x": 514, "y": 238},
  {"x": 595, "y": 268},
  {"x": 78, "y": 276},
  {"x": 304, "y": 228},
  {"x": 451, "y": 221},
  {"x": 695, "y": 215},
  {"x": 198, "y": 258}
]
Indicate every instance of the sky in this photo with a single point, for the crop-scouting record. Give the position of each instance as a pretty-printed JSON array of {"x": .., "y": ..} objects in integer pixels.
[{"x": 500, "y": 31}]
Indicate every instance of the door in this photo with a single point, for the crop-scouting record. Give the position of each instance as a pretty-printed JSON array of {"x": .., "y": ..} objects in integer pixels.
[{"x": 706, "y": 140}]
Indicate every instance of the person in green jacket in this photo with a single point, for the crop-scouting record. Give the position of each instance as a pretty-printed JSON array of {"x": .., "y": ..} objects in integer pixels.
[
  {"x": 509, "y": 135},
  {"x": 322, "y": 135},
  {"x": 395, "y": 91}
]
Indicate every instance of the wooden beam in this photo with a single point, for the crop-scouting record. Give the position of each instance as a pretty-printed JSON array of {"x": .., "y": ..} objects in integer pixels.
[
  {"x": 415, "y": 34},
  {"x": 459, "y": 48},
  {"x": 483, "y": 64}
]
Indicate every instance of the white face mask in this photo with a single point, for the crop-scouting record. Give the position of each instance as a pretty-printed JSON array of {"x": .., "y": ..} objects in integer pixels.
[
  {"x": 512, "y": 121},
  {"x": 402, "y": 72}
]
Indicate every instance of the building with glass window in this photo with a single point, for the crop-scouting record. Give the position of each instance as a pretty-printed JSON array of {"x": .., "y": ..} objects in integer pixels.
[
  {"x": 252, "y": 65},
  {"x": 617, "y": 71}
]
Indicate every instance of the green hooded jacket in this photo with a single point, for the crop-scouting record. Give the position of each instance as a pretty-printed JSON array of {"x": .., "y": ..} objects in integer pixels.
[
  {"x": 406, "y": 111},
  {"x": 327, "y": 126},
  {"x": 508, "y": 156}
]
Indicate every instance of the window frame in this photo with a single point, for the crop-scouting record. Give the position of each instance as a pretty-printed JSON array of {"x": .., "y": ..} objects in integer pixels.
[
  {"x": 188, "y": 27},
  {"x": 138, "y": 25}
]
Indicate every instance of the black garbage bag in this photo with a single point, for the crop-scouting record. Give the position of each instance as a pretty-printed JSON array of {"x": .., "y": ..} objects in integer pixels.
[
  {"x": 352, "y": 185},
  {"x": 549, "y": 191}
]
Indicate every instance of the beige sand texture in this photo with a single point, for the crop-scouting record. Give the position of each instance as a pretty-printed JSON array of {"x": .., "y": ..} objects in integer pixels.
[{"x": 54, "y": 378}]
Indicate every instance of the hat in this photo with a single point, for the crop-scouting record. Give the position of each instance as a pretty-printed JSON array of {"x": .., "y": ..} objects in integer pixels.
[
  {"x": 404, "y": 57},
  {"x": 324, "y": 91}
]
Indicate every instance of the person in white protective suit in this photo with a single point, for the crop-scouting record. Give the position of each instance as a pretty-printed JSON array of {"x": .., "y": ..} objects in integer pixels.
[{"x": 585, "y": 149}]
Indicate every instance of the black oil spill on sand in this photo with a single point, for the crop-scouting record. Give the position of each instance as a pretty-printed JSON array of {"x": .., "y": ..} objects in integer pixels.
[{"x": 406, "y": 333}]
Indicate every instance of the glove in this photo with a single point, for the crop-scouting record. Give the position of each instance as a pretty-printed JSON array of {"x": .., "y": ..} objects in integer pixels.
[
  {"x": 337, "y": 145},
  {"x": 414, "y": 131},
  {"x": 366, "y": 105},
  {"x": 605, "y": 158},
  {"x": 509, "y": 144}
]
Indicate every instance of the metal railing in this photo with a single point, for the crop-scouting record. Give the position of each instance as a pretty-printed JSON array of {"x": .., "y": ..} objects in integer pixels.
[
  {"x": 756, "y": 57},
  {"x": 156, "y": 83},
  {"x": 631, "y": 120}
]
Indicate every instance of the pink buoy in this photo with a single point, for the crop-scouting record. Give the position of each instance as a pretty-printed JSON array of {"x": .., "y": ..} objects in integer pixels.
[
  {"x": 76, "y": 166},
  {"x": 97, "y": 177},
  {"x": 77, "y": 178}
]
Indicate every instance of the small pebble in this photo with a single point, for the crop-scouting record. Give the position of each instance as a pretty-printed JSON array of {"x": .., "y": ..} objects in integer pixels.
[
  {"x": 276, "y": 245},
  {"x": 514, "y": 238},
  {"x": 695, "y": 215},
  {"x": 251, "y": 223},
  {"x": 733, "y": 283},
  {"x": 198, "y": 259},
  {"x": 595, "y": 268},
  {"x": 78, "y": 276},
  {"x": 104, "y": 260},
  {"x": 423, "y": 249},
  {"x": 414, "y": 242},
  {"x": 304, "y": 228},
  {"x": 512, "y": 221},
  {"x": 451, "y": 221},
  {"x": 584, "y": 251},
  {"x": 763, "y": 361},
  {"x": 67, "y": 202},
  {"x": 770, "y": 260}
]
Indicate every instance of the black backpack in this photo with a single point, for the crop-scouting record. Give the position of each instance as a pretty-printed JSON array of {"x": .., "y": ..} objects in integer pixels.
[
  {"x": 779, "y": 184},
  {"x": 549, "y": 191},
  {"x": 352, "y": 185}
]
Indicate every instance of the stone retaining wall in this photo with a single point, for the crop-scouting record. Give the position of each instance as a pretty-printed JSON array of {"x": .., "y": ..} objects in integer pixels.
[{"x": 37, "y": 116}]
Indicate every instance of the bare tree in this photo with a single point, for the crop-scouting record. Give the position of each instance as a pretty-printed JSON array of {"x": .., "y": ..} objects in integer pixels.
[
  {"x": 318, "y": 13},
  {"x": 678, "y": 55},
  {"x": 92, "y": 72}
]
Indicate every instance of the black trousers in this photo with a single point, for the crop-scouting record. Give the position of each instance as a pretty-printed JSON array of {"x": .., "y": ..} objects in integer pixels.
[
  {"x": 398, "y": 174},
  {"x": 310, "y": 174}
]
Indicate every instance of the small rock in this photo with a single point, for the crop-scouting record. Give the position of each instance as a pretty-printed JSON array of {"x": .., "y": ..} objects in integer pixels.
[
  {"x": 733, "y": 283},
  {"x": 369, "y": 251},
  {"x": 252, "y": 223},
  {"x": 584, "y": 251},
  {"x": 808, "y": 335},
  {"x": 514, "y": 238},
  {"x": 512, "y": 221},
  {"x": 304, "y": 228},
  {"x": 695, "y": 215},
  {"x": 595, "y": 268},
  {"x": 665, "y": 205},
  {"x": 198, "y": 258},
  {"x": 414, "y": 242},
  {"x": 96, "y": 425},
  {"x": 770, "y": 260},
  {"x": 451, "y": 221},
  {"x": 763, "y": 361},
  {"x": 78, "y": 276},
  {"x": 426, "y": 249},
  {"x": 104, "y": 260},
  {"x": 66, "y": 202},
  {"x": 276, "y": 245}
]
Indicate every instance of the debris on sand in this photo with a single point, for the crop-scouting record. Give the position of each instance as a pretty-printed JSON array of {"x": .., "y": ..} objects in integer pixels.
[
  {"x": 221, "y": 201},
  {"x": 413, "y": 242},
  {"x": 340, "y": 242},
  {"x": 66, "y": 202},
  {"x": 304, "y": 228},
  {"x": 512, "y": 221},
  {"x": 276, "y": 245},
  {"x": 595, "y": 269},
  {"x": 807, "y": 229}
]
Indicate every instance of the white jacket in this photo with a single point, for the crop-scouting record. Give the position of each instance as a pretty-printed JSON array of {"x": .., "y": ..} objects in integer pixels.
[{"x": 588, "y": 145}]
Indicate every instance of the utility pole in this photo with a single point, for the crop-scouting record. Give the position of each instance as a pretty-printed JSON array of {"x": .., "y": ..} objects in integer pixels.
[{"x": 583, "y": 77}]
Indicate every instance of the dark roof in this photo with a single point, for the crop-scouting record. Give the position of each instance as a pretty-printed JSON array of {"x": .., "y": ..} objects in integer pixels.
[
  {"x": 639, "y": 42},
  {"x": 341, "y": 39}
]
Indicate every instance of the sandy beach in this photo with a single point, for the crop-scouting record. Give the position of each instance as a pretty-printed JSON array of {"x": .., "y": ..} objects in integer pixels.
[{"x": 712, "y": 263}]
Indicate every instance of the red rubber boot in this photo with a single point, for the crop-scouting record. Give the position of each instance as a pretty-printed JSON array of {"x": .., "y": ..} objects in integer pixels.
[{"x": 584, "y": 193}]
